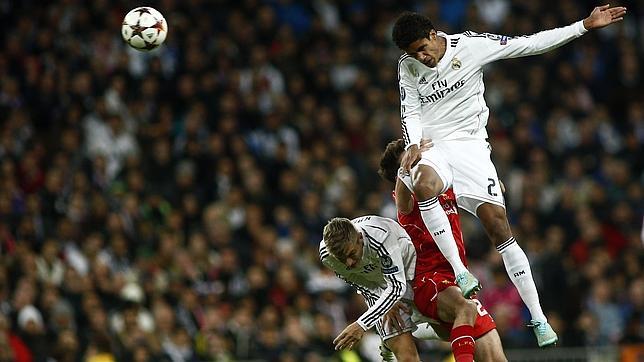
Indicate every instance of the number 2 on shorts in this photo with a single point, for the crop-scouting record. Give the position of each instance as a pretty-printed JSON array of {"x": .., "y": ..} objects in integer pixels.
[
  {"x": 489, "y": 187},
  {"x": 479, "y": 308}
]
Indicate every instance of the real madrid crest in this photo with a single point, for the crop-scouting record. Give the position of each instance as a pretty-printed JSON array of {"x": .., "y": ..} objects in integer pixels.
[{"x": 456, "y": 63}]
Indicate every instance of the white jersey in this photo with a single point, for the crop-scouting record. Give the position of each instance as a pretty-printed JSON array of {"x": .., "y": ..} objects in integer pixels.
[
  {"x": 446, "y": 102},
  {"x": 385, "y": 271}
]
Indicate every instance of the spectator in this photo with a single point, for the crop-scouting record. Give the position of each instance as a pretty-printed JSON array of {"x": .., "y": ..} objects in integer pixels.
[{"x": 167, "y": 206}]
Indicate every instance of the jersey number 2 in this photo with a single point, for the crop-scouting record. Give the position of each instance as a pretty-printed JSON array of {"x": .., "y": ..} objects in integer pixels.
[
  {"x": 489, "y": 187},
  {"x": 479, "y": 308}
]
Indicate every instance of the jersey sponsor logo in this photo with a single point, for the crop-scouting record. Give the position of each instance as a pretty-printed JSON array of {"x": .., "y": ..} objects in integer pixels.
[
  {"x": 388, "y": 266},
  {"x": 450, "y": 207},
  {"x": 441, "y": 93},
  {"x": 440, "y": 232},
  {"x": 403, "y": 95}
]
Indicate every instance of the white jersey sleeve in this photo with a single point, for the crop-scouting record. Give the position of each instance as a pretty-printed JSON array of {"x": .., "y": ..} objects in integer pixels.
[
  {"x": 390, "y": 253},
  {"x": 491, "y": 47},
  {"x": 410, "y": 106}
]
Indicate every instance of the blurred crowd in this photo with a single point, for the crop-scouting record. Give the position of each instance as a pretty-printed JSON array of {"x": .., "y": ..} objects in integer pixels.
[{"x": 167, "y": 206}]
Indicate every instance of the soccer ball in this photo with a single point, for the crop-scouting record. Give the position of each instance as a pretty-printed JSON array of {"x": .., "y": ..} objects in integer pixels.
[{"x": 144, "y": 28}]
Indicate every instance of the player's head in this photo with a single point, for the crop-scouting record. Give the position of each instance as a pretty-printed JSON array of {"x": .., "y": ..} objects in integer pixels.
[
  {"x": 390, "y": 160},
  {"x": 415, "y": 34},
  {"x": 343, "y": 241}
]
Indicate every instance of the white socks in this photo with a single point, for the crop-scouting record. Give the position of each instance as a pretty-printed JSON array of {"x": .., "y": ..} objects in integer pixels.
[
  {"x": 438, "y": 225},
  {"x": 518, "y": 269}
]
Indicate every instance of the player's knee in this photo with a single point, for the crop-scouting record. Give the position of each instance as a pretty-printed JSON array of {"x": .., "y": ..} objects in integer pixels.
[
  {"x": 405, "y": 353},
  {"x": 426, "y": 186},
  {"x": 467, "y": 309}
]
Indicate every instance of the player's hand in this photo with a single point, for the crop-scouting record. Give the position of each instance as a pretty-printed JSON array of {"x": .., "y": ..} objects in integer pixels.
[
  {"x": 412, "y": 155},
  {"x": 425, "y": 144},
  {"x": 394, "y": 317},
  {"x": 349, "y": 337},
  {"x": 604, "y": 15}
]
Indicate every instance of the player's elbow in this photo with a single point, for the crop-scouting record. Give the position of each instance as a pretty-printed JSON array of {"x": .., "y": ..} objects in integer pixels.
[{"x": 466, "y": 310}]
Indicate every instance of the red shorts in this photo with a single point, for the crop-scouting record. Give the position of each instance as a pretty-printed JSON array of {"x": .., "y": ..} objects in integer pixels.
[{"x": 426, "y": 289}]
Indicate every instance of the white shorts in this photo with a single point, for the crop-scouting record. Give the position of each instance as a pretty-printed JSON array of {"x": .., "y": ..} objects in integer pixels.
[
  {"x": 465, "y": 165},
  {"x": 388, "y": 330}
]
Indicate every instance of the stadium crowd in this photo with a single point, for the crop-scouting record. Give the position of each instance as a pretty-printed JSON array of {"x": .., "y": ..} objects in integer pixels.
[{"x": 167, "y": 206}]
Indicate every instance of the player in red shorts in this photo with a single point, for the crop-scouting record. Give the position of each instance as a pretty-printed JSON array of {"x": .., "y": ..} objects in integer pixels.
[{"x": 472, "y": 331}]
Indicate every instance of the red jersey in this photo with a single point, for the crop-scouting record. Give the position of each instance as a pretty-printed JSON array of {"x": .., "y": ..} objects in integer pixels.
[{"x": 429, "y": 258}]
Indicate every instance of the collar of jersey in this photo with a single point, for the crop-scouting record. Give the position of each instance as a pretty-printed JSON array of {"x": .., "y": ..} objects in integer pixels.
[{"x": 448, "y": 50}]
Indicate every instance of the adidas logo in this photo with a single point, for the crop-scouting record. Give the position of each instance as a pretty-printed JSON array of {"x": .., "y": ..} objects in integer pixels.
[{"x": 422, "y": 80}]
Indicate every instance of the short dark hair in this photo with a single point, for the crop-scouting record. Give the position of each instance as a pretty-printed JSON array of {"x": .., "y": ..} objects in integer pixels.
[
  {"x": 390, "y": 160},
  {"x": 410, "y": 27}
]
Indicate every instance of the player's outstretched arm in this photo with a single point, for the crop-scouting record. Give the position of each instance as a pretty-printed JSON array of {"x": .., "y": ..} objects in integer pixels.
[
  {"x": 490, "y": 47},
  {"x": 604, "y": 15}
]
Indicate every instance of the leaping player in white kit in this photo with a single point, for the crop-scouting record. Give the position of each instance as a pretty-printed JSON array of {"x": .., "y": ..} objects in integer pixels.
[{"x": 441, "y": 92}]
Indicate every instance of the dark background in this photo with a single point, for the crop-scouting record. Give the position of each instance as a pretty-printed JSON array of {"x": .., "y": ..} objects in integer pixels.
[{"x": 168, "y": 206}]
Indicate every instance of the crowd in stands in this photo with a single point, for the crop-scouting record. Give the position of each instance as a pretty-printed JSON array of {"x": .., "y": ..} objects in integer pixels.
[{"x": 167, "y": 206}]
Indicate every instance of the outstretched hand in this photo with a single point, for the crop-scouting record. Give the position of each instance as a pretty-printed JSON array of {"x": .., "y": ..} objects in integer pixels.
[
  {"x": 348, "y": 338},
  {"x": 604, "y": 15}
]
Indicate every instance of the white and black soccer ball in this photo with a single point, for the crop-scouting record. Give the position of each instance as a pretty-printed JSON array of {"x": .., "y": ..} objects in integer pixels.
[{"x": 144, "y": 28}]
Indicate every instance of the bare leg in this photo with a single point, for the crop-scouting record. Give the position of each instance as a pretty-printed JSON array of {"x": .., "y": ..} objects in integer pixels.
[
  {"x": 404, "y": 348},
  {"x": 495, "y": 222},
  {"x": 489, "y": 348},
  {"x": 452, "y": 306}
]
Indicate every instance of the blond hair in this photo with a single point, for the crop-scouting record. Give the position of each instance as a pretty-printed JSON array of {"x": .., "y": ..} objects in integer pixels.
[{"x": 337, "y": 234}]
